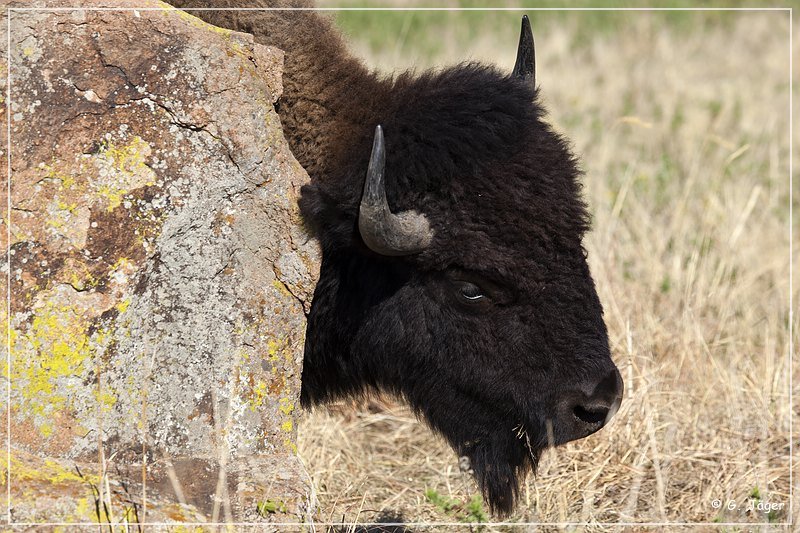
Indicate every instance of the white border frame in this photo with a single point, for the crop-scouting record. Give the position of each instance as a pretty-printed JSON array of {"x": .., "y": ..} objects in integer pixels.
[{"x": 790, "y": 351}]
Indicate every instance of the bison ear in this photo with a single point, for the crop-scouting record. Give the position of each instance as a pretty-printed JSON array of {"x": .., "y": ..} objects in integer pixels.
[
  {"x": 325, "y": 217},
  {"x": 525, "y": 66}
]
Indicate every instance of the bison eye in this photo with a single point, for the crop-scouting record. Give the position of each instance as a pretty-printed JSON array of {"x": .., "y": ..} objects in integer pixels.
[{"x": 470, "y": 291}]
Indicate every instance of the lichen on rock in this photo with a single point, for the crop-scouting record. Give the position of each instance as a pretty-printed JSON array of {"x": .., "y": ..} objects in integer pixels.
[{"x": 159, "y": 270}]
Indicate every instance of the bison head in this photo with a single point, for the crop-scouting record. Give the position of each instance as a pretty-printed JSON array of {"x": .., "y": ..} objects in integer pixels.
[{"x": 455, "y": 275}]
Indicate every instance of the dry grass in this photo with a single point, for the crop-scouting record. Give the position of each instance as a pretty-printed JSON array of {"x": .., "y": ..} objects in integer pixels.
[{"x": 684, "y": 139}]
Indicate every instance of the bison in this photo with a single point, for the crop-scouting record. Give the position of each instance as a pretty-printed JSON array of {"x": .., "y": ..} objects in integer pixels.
[{"x": 451, "y": 222}]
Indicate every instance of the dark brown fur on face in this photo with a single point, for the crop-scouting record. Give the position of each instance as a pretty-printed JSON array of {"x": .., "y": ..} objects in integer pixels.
[{"x": 502, "y": 376}]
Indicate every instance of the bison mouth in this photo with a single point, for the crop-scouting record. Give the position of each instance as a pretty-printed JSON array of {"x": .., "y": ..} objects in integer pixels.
[
  {"x": 501, "y": 463},
  {"x": 504, "y": 440}
]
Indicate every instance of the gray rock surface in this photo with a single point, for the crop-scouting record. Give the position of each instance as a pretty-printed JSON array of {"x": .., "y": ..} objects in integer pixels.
[{"x": 159, "y": 272}]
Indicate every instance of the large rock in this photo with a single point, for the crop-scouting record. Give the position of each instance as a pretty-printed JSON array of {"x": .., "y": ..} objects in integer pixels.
[{"x": 159, "y": 272}]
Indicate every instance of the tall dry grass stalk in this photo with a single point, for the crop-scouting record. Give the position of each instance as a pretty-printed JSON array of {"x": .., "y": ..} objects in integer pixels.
[{"x": 684, "y": 140}]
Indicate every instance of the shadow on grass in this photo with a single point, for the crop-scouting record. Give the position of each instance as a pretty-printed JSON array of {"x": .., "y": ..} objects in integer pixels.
[{"x": 385, "y": 523}]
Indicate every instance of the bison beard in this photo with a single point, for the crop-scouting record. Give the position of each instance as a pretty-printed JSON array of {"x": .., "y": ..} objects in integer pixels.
[{"x": 453, "y": 273}]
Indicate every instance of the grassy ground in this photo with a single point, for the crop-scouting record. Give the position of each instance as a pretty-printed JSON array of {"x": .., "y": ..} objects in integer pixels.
[{"x": 682, "y": 125}]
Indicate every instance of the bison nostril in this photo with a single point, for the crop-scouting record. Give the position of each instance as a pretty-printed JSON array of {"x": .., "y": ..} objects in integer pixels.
[
  {"x": 584, "y": 410},
  {"x": 592, "y": 415}
]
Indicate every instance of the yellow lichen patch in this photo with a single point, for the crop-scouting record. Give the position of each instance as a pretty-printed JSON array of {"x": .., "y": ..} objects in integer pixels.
[
  {"x": 185, "y": 529},
  {"x": 53, "y": 349},
  {"x": 112, "y": 194},
  {"x": 79, "y": 276},
  {"x": 121, "y": 169},
  {"x": 291, "y": 446},
  {"x": 52, "y": 172},
  {"x": 49, "y": 471},
  {"x": 198, "y": 23},
  {"x": 58, "y": 473},
  {"x": 70, "y": 208},
  {"x": 128, "y": 158},
  {"x": 83, "y": 508},
  {"x": 67, "y": 182},
  {"x": 259, "y": 392},
  {"x": 123, "y": 263},
  {"x": 105, "y": 400},
  {"x": 276, "y": 348},
  {"x": 278, "y": 284},
  {"x": 128, "y": 515},
  {"x": 273, "y": 347},
  {"x": 286, "y": 406},
  {"x": 123, "y": 305},
  {"x": 75, "y": 273}
]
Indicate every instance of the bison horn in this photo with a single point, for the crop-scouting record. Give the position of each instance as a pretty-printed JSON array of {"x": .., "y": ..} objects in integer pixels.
[
  {"x": 384, "y": 232},
  {"x": 525, "y": 66}
]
